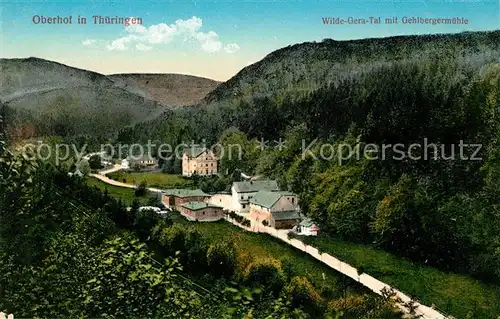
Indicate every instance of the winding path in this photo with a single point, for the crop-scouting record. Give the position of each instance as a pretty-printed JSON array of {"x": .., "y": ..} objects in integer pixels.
[{"x": 366, "y": 280}]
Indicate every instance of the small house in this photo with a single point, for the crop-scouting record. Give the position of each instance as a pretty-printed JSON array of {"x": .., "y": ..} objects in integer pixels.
[
  {"x": 201, "y": 211},
  {"x": 307, "y": 228},
  {"x": 145, "y": 162},
  {"x": 173, "y": 198}
]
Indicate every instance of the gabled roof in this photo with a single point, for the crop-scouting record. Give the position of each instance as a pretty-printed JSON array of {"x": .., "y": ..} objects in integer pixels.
[
  {"x": 307, "y": 222},
  {"x": 285, "y": 215},
  {"x": 144, "y": 157},
  {"x": 265, "y": 198},
  {"x": 185, "y": 193},
  {"x": 287, "y": 193},
  {"x": 199, "y": 205},
  {"x": 255, "y": 186},
  {"x": 194, "y": 151}
]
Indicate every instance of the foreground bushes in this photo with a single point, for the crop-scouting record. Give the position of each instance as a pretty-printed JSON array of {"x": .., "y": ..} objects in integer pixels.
[{"x": 266, "y": 273}]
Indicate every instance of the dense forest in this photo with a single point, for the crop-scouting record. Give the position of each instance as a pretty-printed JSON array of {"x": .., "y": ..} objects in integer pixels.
[
  {"x": 72, "y": 251},
  {"x": 322, "y": 99},
  {"x": 441, "y": 210}
]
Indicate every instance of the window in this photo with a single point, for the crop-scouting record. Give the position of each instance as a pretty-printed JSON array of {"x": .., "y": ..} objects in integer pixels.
[
  {"x": 207, "y": 171},
  {"x": 241, "y": 196},
  {"x": 212, "y": 164},
  {"x": 243, "y": 206},
  {"x": 293, "y": 200},
  {"x": 206, "y": 165}
]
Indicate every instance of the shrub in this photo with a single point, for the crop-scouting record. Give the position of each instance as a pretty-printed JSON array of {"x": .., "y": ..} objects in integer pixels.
[
  {"x": 221, "y": 259},
  {"x": 288, "y": 267},
  {"x": 171, "y": 239},
  {"x": 196, "y": 253},
  {"x": 266, "y": 273},
  {"x": 144, "y": 221},
  {"x": 303, "y": 295},
  {"x": 140, "y": 190}
]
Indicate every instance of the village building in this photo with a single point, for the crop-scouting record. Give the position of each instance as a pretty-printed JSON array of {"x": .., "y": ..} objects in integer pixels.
[
  {"x": 242, "y": 192},
  {"x": 198, "y": 160},
  {"x": 278, "y": 208},
  {"x": 201, "y": 211},
  {"x": 173, "y": 198},
  {"x": 145, "y": 162},
  {"x": 222, "y": 199},
  {"x": 284, "y": 220},
  {"x": 307, "y": 228}
]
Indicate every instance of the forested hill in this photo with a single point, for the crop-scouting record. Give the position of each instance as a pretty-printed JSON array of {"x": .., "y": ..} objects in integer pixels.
[
  {"x": 169, "y": 89},
  {"x": 305, "y": 67},
  {"x": 440, "y": 210},
  {"x": 49, "y": 98}
]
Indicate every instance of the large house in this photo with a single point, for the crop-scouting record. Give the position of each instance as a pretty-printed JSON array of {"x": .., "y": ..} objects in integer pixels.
[
  {"x": 278, "y": 209},
  {"x": 242, "y": 192},
  {"x": 174, "y": 198},
  {"x": 198, "y": 160}
]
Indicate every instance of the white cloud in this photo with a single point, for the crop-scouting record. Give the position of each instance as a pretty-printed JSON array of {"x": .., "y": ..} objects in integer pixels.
[
  {"x": 143, "y": 47},
  {"x": 231, "y": 48},
  {"x": 88, "y": 42},
  {"x": 209, "y": 41},
  {"x": 121, "y": 44},
  {"x": 145, "y": 38}
]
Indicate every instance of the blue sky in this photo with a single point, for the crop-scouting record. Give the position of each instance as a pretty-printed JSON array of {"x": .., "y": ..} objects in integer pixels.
[{"x": 214, "y": 39}]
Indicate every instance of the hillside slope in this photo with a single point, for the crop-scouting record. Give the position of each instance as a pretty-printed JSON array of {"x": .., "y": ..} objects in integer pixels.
[
  {"x": 301, "y": 68},
  {"x": 168, "y": 89},
  {"x": 61, "y": 100}
]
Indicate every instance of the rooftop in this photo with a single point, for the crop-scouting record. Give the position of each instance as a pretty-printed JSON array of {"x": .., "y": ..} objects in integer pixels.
[
  {"x": 195, "y": 151},
  {"x": 306, "y": 222},
  {"x": 144, "y": 157},
  {"x": 286, "y": 215},
  {"x": 255, "y": 186},
  {"x": 199, "y": 205},
  {"x": 185, "y": 193},
  {"x": 265, "y": 198}
]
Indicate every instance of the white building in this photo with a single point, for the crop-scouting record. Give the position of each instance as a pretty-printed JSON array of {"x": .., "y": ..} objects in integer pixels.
[
  {"x": 125, "y": 164},
  {"x": 307, "y": 228},
  {"x": 242, "y": 192}
]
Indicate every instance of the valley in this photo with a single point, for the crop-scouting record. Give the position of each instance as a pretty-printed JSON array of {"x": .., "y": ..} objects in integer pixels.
[{"x": 428, "y": 228}]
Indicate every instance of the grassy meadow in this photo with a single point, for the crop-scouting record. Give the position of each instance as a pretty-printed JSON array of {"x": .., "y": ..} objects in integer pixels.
[
  {"x": 153, "y": 179},
  {"x": 126, "y": 195}
]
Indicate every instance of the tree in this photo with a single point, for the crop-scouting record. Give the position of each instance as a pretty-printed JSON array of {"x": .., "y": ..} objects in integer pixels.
[
  {"x": 141, "y": 189},
  {"x": 144, "y": 221},
  {"x": 95, "y": 162},
  {"x": 84, "y": 167}
]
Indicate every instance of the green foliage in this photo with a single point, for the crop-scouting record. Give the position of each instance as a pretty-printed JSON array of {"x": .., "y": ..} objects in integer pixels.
[
  {"x": 303, "y": 295},
  {"x": 266, "y": 273},
  {"x": 84, "y": 167},
  {"x": 221, "y": 259},
  {"x": 141, "y": 189},
  {"x": 144, "y": 221},
  {"x": 126, "y": 284},
  {"x": 95, "y": 162}
]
